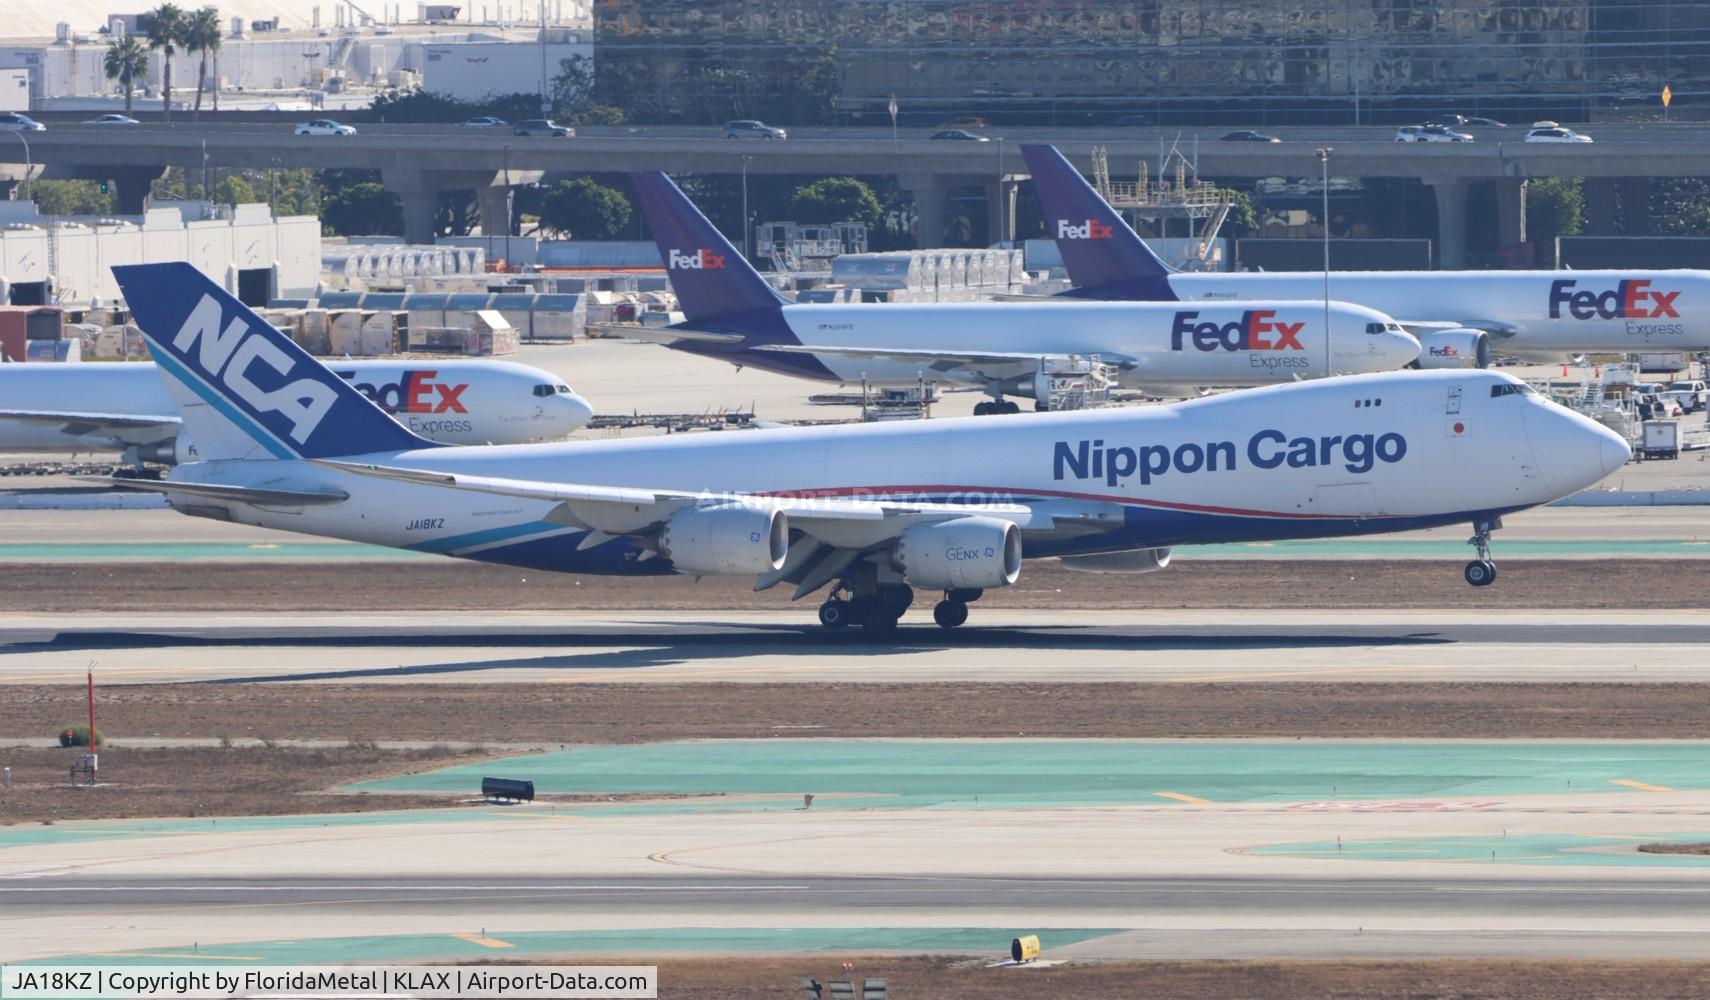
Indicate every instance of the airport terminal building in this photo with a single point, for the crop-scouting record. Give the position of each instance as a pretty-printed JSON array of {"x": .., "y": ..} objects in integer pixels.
[{"x": 1151, "y": 61}]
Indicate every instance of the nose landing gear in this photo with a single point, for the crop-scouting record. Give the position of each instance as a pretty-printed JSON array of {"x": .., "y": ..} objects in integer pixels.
[{"x": 1481, "y": 572}]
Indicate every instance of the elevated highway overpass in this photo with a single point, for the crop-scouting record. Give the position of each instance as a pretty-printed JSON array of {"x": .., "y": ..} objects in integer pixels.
[{"x": 420, "y": 161}]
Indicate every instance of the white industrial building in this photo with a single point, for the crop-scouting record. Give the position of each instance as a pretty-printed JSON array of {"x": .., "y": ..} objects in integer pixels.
[
  {"x": 67, "y": 260},
  {"x": 467, "y": 60}
]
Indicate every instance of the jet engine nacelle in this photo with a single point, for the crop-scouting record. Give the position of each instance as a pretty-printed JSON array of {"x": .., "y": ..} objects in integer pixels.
[
  {"x": 963, "y": 553},
  {"x": 177, "y": 450},
  {"x": 1133, "y": 561},
  {"x": 1454, "y": 349},
  {"x": 733, "y": 539}
]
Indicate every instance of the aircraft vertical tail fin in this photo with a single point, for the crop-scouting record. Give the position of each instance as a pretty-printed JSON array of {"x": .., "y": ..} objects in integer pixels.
[
  {"x": 707, "y": 273},
  {"x": 1104, "y": 256},
  {"x": 244, "y": 389}
]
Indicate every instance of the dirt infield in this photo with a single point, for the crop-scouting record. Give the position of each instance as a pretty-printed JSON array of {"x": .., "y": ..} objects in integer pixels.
[
  {"x": 464, "y": 586},
  {"x": 632, "y": 713},
  {"x": 258, "y": 781},
  {"x": 932, "y": 977}
]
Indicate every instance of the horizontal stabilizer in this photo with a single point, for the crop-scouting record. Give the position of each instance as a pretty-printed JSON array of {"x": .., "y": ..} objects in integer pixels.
[
  {"x": 940, "y": 358},
  {"x": 663, "y": 334},
  {"x": 100, "y": 421},
  {"x": 269, "y": 496}
]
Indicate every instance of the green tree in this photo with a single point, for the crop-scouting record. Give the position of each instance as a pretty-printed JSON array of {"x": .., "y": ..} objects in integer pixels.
[
  {"x": 584, "y": 210},
  {"x": 835, "y": 199},
  {"x": 71, "y": 198},
  {"x": 234, "y": 189},
  {"x": 202, "y": 34},
  {"x": 365, "y": 209},
  {"x": 573, "y": 95},
  {"x": 1242, "y": 220},
  {"x": 424, "y": 106},
  {"x": 126, "y": 61},
  {"x": 822, "y": 85},
  {"x": 166, "y": 30},
  {"x": 1555, "y": 206},
  {"x": 1680, "y": 206}
]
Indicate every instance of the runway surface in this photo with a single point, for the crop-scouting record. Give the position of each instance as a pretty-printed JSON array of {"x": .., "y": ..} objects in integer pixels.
[{"x": 568, "y": 647}]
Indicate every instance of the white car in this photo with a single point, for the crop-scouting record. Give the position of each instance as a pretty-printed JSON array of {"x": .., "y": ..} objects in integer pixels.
[
  {"x": 1430, "y": 133},
  {"x": 324, "y": 126},
  {"x": 485, "y": 121},
  {"x": 11, "y": 121},
  {"x": 113, "y": 120},
  {"x": 1551, "y": 132}
]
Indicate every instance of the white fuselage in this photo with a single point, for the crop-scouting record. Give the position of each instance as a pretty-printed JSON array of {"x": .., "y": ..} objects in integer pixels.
[
  {"x": 1345, "y": 456},
  {"x": 453, "y": 401},
  {"x": 1532, "y": 313},
  {"x": 1179, "y": 344}
]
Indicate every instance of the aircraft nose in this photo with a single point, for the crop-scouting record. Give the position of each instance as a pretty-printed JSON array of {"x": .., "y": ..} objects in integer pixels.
[
  {"x": 574, "y": 410},
  {"x": 1402, "y": 348},
  {"x": 1573, "y": 451}
]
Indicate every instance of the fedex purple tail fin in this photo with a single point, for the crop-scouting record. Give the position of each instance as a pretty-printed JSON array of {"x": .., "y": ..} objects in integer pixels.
[
  {"x": 709, "y": 276},
  {"x": 1105, "y": 258}
]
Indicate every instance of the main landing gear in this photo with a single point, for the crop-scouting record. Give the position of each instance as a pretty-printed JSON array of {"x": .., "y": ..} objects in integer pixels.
[
  {"x": 880, "y": 609},
  {"x": 1481, "y": 572},
  {"x": 996, "y": 407}
]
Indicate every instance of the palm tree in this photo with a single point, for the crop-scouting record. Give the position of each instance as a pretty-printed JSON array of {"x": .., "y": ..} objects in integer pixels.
[
  {"x": 166, "y": 33},
  {"x": 127, "y": 62},
  {"x": 202, "y": 34}
]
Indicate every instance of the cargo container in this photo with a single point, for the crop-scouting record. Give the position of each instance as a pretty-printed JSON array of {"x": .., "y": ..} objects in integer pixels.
[{"x": 22, "y": 327}]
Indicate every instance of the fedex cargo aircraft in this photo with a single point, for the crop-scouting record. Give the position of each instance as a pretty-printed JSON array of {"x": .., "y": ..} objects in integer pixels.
[
  {"x": 1458, "y": 316},
  {"x": 124, "y": 407},
  {"x": 869, "y": 511},
  {"x": 1003, "y": 348}
]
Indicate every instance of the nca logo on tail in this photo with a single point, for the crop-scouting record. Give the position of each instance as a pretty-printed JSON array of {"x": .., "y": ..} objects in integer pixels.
[
  {"x": 700, "y": 260},
  {"x": 1631, "y": 299},
  {"x": 1256, "y": 330},
  {"x": 227, "y": 356},
  {"x": 1092, "y": 229}
]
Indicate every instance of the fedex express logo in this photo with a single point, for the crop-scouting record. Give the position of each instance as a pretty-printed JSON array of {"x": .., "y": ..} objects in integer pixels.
[
  {"x": 415, "y": 392},
  {"x": 699, "y": 260},
  {"x": 227, "y": 356},
  {"x": 1630, "y": 299},
  {"x": 1256, "y": 330},
  {"x": 1092, "y": 229}
]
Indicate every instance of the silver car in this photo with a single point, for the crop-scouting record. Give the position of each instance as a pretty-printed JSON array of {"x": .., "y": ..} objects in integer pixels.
[{"x": 748, "y": 128}]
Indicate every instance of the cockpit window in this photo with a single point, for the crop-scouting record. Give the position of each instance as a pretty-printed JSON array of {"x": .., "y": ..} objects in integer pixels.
[
  {"x": 1512, "y": 389},
  {"x": 1374, "y": 327},
  {"x": 563, "y": 389},
  {"x": 543, "y": 390}
]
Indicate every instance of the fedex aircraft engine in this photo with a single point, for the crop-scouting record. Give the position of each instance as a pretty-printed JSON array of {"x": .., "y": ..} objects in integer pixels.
[
  {"x": 963, "y": 553},
  {"x": 176, "y": 451},
  {"x": 1131, "y": 561},
  {"x": 735, "y": 539},
  {"x": 1454, "y": 349}
]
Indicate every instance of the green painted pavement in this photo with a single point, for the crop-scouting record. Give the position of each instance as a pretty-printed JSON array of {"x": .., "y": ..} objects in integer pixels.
[
  {"x": 446, "y": 947},
  {"x": 1564, "y": 849},
  {"x": 920, "y": 774},
  {"x": 1331, "y": 548}
]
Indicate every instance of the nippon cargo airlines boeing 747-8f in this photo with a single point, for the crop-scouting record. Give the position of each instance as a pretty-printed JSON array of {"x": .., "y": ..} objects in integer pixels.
[
  {"x": 870, "y": 511},
  {"x": 1004, "y": 348},
  {"x": 1458, "y": 316},
  {"x": 124, "y": 407}
]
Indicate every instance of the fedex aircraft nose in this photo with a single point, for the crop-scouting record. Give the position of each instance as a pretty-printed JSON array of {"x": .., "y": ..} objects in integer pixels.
[
  {"x": 1573, "y": 451},
  {"x": 1399, "y": 348},
  {"x": 573, "y": 411}
]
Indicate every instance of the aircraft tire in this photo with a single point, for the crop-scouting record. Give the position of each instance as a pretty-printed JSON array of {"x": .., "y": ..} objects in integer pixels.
[
  {"x": 835, "y": 614},
  {"x": 949, "y": 614},
  {"x": 1480, "y": 573}
]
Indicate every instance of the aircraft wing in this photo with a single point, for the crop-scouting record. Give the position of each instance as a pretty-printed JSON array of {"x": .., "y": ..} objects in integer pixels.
[
  {"x": 662, "y": 334},
  {"x": 92, "y": 422},
  {"x": 943, "y": 360},
  {"x": 265, "y": 495},
  {"x": 1492, "y": 327},
  {"x": 838, "y": 530}
]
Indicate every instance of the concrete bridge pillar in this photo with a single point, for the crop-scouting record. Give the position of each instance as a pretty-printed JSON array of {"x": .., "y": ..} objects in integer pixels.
[
  {"x": 131, "y": 187},
  {"x": 419, "y": 196},
  {"x": 494, "y": 205},
  {"x": 931, "y": 192},
  {"x": 1510, "y": 211},
  {"x": 1451, "y": 222}
]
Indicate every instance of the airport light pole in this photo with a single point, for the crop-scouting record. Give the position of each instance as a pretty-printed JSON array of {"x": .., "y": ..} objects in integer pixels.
[
  {"x": 507, "y": 222},
  {"x": 1324, "y": 168},
  {"x": 747, "y": 250}
]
